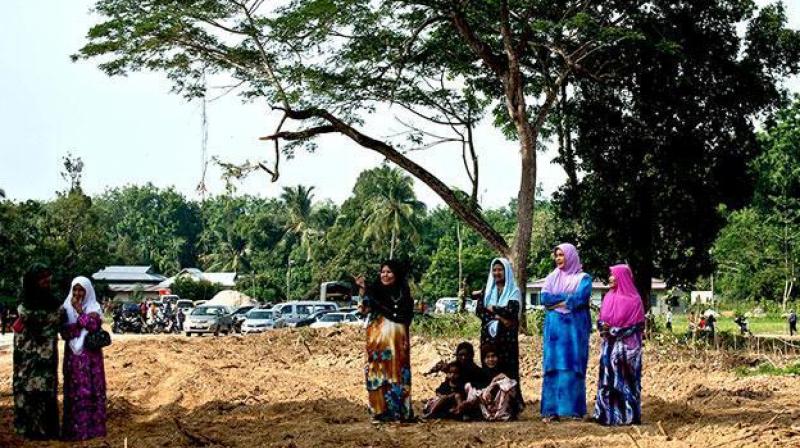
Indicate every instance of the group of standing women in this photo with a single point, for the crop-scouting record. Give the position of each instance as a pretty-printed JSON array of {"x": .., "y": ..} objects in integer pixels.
[
  {"x": 35, "y": 382},
  {"x": 567, "y": 326}
]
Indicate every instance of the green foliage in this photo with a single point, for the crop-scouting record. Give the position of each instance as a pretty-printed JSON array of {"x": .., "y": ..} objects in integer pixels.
[
  {"x": 672, "y": 138},
  {"x": 464, "y": 326},
  {"x": 769, "y": 369},
  {"x": 758, "y": 251},
  {"x": 188, "y": 288},
  {"x": 149, "y": 226}
]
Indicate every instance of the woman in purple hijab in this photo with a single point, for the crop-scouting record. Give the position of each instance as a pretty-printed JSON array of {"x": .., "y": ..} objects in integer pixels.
[
  {"x": 565, "y": 345},
  {"x": 620, "y": 323}
]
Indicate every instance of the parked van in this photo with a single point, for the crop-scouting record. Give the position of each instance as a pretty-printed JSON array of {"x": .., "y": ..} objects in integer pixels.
[{"x": 295, "y": 311}]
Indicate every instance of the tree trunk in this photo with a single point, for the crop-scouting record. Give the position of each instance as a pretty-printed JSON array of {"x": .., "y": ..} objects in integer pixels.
[
  {"x": 515, "y": 102},
  {"x": 641, "y": 244},
  {"x": 391, "y": 246}
]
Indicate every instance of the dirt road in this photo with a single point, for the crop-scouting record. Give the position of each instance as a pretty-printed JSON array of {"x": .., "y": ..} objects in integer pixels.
[{"x": 292, "y": 388}]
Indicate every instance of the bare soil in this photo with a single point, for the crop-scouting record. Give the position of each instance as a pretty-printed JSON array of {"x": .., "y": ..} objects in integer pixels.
[{"x": 304, "y": 388}]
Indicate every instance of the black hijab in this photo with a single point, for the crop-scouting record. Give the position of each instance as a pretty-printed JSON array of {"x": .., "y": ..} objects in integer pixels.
[
  {"x": 33, "y": 296},
  {"x": 394, "y": 301}
]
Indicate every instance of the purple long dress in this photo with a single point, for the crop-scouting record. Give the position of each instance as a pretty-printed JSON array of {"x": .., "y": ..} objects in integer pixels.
[{"x": 84, "y": 385}]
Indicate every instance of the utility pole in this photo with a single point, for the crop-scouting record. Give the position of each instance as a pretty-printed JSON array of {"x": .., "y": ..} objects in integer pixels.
[{"x": 288, "y": 277}]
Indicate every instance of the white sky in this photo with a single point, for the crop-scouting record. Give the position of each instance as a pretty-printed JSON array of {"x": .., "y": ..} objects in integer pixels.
[{"x": 132, "y": 130}]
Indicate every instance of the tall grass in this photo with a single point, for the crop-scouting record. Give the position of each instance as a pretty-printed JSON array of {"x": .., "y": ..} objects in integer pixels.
[{"x": 769, "y": 370}]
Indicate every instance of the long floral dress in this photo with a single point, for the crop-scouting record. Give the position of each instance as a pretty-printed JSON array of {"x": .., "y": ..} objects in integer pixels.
[
  {"x": 84, "y": 384},
  {"x": 388, "y": 369},
  {"x": 36, "y": 375},
  {"x": 619, "y": 386}
]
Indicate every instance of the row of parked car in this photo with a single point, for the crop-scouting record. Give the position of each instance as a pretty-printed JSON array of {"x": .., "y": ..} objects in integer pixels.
[{"x": 218, "y": 319}]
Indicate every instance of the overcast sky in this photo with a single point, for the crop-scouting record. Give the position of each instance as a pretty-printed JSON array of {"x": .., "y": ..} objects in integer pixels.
[{"x": 132, "y": 130}]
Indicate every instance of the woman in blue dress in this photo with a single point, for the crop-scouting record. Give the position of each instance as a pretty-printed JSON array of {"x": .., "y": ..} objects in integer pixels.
[{"x": 567, "y": 326}]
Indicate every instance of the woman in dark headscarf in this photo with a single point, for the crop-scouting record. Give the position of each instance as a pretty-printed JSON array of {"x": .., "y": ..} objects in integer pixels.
[
  {"x": 388, "y": 371},
  {"x": 36, "y": 358}
]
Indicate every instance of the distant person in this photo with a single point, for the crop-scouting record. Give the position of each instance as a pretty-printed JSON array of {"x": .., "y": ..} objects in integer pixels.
[
  {"x": 792, "y": 323},
  {"x": 390, "y": 307},
  {"x": 498, "y": 305},
  {"x": 621, "y": 323},
  {"x": 711, "y": 324},
  {"x": 669, "y": 320},
  {"x": 497, "y": 396},
  {"x": 741, "y": 321},
  {"x": 84, "y": 371},
  {"x": 449, "y": 395},
  {"x": 35, "y": 380},
  {"x": 3, "y": 318},
  {"x": 567, "y": 324},
  {"x": 180, "y": 316}
]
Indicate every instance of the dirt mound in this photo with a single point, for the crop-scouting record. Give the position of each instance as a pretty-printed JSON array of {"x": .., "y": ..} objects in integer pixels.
[{"x": 304, "y": 388}]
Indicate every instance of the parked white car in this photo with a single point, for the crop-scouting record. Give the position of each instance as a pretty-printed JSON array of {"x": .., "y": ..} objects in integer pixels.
[
  {"x": 447, "y": 305},
  {"x": 185, "y": 305},
  {"x": 259, "y": 321},
  {"x": 334, "y": 319}
]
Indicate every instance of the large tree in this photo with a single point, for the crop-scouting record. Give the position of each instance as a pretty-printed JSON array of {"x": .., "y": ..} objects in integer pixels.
[
  {"x": 654, "y": 153},
  {"x": 327, "y": 64},
  {"x": 148, "y": 225}
]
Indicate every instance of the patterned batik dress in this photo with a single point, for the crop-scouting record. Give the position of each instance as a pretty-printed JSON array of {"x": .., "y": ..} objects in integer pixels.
[
  {"x": 388, "y": 369},
  {"x": 619, "y": 387},
  {"x": 36, "y": 375}
]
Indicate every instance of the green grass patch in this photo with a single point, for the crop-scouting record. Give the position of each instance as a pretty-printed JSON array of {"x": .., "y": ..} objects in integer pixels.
[
  {"x": 465, "y": 326},
  {"x": 769, "y": 370},
  {"x": 768, "y": 325}
]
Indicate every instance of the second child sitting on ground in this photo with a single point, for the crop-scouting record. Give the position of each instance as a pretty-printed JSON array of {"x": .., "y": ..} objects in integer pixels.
[
  {"x": 495, "y": 399},
  {"x": 449, "y": 395}
]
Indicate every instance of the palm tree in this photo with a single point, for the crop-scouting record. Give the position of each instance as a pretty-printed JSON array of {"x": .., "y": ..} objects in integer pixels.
[
  {"x": 300, "y": 224},
  {"x": 393, "y": 208}
]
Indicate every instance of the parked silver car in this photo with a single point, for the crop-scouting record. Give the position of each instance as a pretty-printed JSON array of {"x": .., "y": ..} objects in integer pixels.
[
  {"x": 259, "y": 321},
  {"x": 295, "y": 311},
  {"x": 209, "y": 319}
]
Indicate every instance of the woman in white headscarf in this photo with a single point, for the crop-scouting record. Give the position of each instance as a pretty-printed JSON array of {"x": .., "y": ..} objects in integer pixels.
[
  {"x": 84, "y": 374},
  {"x": 498, "y": 308}
]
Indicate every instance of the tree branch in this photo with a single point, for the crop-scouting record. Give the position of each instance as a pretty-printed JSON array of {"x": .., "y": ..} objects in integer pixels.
[
  {"x": 480, "y": 48},
  {"x": 470, "y": 215}
]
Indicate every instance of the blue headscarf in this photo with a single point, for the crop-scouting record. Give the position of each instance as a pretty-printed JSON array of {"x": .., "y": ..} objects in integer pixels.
[{"x": 510, "y": 291}]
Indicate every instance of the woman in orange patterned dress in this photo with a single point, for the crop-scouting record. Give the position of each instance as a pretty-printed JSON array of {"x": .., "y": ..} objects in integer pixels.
[{"x": 390, "y": 308}]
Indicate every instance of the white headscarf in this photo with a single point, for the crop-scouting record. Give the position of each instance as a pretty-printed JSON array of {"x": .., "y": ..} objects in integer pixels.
[
  {"x": 90, "y": 305},
  {"x": 510, "y": 291}
]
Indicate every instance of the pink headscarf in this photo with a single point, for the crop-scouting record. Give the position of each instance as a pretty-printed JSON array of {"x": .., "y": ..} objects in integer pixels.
[
  {"x": 622, "y": 306},
  {"x": 567, "y": 278}
]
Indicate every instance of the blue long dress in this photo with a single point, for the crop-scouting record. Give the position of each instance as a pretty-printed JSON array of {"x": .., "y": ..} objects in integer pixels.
[{"x": 566, "y": 352}]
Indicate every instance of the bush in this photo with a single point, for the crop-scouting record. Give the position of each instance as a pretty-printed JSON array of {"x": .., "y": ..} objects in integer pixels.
[
  {"x": 463, "y": 325},
  {"x": 188, "y": 288}
]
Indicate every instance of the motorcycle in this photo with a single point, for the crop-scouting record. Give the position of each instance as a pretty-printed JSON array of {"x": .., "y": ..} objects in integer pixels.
[
  {"x": 126, "y": 323},
  {"x": 163, "y": 324}
]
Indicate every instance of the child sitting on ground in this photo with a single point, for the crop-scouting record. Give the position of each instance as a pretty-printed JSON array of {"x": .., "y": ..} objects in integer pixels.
[
  {"x": 449, "y": 395},
  {"x": 496, "y": 399}
]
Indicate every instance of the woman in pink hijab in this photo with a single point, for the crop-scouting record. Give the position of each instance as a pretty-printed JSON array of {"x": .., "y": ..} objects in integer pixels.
[{"x": 621, "y": 322}]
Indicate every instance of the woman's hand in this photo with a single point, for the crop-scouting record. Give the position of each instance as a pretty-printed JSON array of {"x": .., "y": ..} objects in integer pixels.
[{"x": 76, "y": 303}]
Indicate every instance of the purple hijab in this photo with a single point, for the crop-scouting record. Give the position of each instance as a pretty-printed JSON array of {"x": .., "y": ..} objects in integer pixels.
[
  {"x": 567, "y": 278},
  {"x": 622, "y": 306}
]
